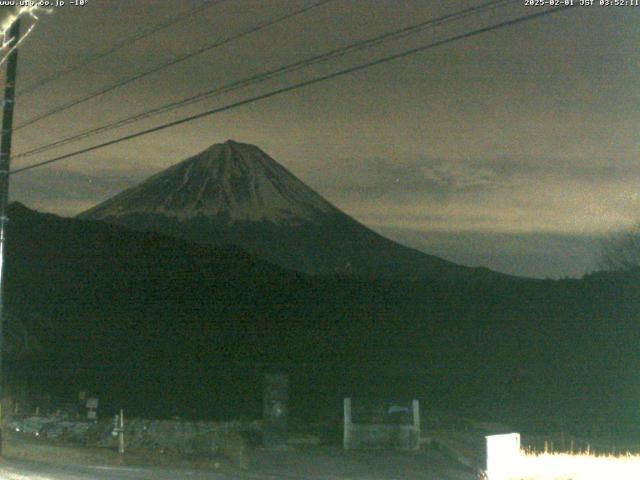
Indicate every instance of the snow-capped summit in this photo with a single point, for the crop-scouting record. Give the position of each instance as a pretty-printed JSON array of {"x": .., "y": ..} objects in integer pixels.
[
  {"x": 234, "y": 193},
  {"x": 233, "y": 180}
]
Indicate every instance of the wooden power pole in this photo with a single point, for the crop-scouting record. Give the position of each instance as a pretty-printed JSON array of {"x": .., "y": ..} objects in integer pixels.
[{"x": 5, "y": 165}]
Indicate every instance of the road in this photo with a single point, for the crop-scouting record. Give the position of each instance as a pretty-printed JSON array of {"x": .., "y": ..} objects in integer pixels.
[
  {"x": 31, "y": 470},
  {"x": 29, "y": 459}
]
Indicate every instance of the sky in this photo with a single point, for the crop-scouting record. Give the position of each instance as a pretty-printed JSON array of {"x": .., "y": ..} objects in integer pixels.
[{"x": 516, "y": 149}]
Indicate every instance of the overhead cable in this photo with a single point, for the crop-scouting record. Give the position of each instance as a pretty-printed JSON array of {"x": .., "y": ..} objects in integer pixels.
[
  {"x": 264, "y": 76},
  {"x": 170, "y": 63},
  {"x": 299, "y": 85}
]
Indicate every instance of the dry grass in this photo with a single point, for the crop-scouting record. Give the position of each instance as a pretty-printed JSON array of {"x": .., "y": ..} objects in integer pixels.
[{"x": 570, "y": 466}]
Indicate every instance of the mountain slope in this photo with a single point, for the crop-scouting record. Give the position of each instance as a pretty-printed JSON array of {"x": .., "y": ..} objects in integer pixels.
[
  {"x": 234, "y": 193},
  {"x": 162, "y": 327},
  {"x": 235, "y": 181}
]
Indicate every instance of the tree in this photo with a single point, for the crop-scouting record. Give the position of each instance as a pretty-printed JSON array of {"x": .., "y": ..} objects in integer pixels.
[{"x": 621, "y": 250}]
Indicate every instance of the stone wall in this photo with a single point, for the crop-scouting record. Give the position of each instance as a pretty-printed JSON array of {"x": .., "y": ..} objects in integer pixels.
[{"x": 198, "y": 438}]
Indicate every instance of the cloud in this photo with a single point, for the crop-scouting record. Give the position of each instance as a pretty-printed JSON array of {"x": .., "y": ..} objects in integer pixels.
[
  {"x": 376, "y": 178},
  {"x": 530, "y": 254},
  {"x": 67, "y": 192},
  {"x": 456, "y": 177},
  {"x": 505, "y": 194}
]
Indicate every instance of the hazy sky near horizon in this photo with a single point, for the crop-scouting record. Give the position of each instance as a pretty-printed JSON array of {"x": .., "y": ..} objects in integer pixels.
[{"x": 516, "y": 149}]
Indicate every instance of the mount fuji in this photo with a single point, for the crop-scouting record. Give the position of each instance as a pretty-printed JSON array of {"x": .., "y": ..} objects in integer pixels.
[{"x": 234, "y": 193}]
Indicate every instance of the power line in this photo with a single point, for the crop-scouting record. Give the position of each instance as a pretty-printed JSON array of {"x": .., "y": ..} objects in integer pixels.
[
  {"x": 170, "y": 63},
  {"x": 118, "y": 46},
  {"x": 299, "y": 85},
  {"x": 261, "y": 77}
]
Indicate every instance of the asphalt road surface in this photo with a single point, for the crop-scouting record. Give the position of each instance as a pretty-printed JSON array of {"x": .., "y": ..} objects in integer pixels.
[{"x": 30, "y": 470}]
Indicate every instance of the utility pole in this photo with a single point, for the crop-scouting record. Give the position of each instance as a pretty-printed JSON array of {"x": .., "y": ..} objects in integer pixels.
[{"x": 5, "y": 165}]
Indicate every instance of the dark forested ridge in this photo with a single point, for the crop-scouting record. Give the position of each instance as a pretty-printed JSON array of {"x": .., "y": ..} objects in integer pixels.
[{"x": 167, "y": 327}]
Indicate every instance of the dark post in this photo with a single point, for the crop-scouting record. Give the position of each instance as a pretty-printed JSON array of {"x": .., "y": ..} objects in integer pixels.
[
  {"x": 276, "y": 410},
  {"x": 5, "y": 165}
]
